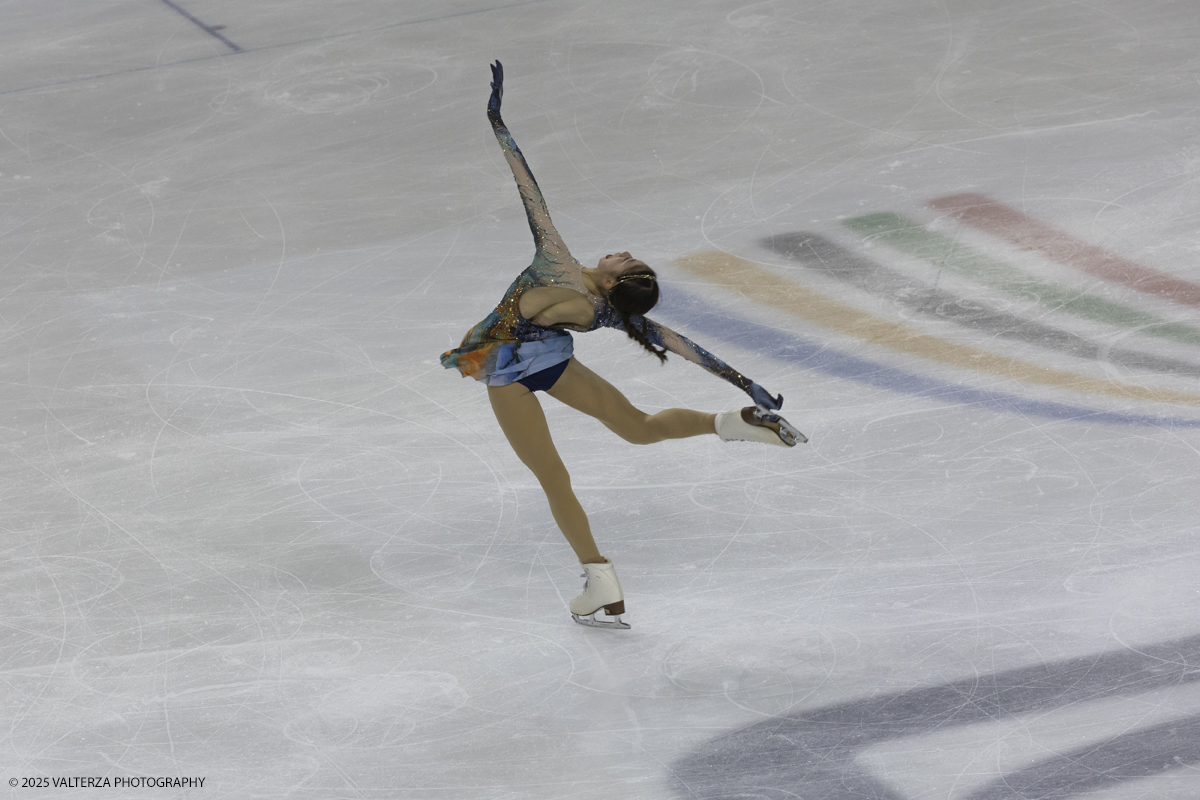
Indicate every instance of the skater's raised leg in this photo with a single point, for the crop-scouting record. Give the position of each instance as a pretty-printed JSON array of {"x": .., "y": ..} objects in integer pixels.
[{"x": 584, "y": 390}]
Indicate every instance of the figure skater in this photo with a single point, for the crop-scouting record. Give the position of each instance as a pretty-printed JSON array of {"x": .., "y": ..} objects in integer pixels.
[{"x": 524, "y": 346}]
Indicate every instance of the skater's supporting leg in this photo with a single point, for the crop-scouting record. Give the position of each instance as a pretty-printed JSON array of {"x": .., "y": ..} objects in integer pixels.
[
  {"x": 584, "y": 390},
  {"x": 524, "y": 423}
]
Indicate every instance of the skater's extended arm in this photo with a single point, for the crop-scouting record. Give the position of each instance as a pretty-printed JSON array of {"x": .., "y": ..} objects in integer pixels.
[
  {"x": 549, "y": 244},
  {"x": 680, "y": 345}
]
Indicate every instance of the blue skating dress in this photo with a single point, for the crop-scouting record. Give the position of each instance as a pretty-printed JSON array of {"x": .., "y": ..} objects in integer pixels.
[{"x": 505, "y": 347}]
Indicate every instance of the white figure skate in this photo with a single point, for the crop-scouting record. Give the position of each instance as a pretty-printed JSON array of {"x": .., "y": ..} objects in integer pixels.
[
  {"x": 758, "y": 424},
  {"x": 602, "y": 590}
]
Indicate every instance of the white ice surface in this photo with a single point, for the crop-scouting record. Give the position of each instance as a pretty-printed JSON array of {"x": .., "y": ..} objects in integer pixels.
[{"x": 253, "y": 532}]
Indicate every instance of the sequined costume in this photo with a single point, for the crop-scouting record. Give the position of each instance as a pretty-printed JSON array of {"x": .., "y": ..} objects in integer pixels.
[{"x": 505, "y": 347}]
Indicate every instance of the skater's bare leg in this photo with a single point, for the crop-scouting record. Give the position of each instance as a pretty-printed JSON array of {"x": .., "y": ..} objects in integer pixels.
[
  {"x": 524, "y": 423},
  {"x": 584, "y": 390}
]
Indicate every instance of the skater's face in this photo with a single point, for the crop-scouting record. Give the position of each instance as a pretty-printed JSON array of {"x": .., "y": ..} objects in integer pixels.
[{"x": 614, "y": 266}]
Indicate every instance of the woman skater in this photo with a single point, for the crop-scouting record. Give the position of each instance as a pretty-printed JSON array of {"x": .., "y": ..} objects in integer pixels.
[{"x": 523, "y": 346}]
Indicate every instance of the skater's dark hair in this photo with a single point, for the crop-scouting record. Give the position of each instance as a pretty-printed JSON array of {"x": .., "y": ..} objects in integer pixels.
[{"x": 634, "y": 294}]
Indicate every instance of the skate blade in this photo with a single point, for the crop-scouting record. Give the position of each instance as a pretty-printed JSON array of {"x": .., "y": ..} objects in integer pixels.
[
  {"x": 591, "y": 621},
  {"x": 790, "y": 435},
  {"x": 787, "y": 434}
]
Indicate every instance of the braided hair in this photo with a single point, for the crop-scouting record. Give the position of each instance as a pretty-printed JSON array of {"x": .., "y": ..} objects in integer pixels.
[{"x": 634, "y": 294}]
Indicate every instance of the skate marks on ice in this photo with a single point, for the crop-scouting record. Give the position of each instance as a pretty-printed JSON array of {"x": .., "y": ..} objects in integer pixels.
[
  {"x": 294, "y": 697},
  {"x": 328, "y": 79},
  {"x": 826, "y": 752}
]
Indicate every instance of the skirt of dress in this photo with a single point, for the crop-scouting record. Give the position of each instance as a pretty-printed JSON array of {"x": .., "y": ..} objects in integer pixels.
[{"x": 499, "y": 364}]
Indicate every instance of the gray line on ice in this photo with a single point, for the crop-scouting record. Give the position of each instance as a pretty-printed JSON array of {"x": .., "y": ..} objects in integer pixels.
[
  {"x": 242, "y": 51},
  {"x": 815, "y": 753},
  {"x": 211, "y": 30}
]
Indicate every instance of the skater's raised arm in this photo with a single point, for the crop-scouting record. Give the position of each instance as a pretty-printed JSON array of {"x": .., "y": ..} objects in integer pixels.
[{"x": 549, "y": 244}]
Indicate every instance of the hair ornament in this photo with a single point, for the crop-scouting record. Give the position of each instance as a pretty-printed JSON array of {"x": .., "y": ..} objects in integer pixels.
[{"x": 646, "y": 275}]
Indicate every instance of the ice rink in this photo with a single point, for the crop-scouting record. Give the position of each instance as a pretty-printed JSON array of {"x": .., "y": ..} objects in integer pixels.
[{"x": 254, "y": 533}]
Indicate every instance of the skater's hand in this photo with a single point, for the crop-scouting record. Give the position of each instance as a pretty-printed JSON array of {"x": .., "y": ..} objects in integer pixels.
[
  {"x": 497, "y": 87},
  {"x": 763, "y": 398}
]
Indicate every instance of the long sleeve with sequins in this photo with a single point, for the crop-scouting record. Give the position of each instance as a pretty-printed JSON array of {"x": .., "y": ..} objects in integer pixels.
[
  {"x": 550, "y": 246},
  {"x": 680, "y": 345}
]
